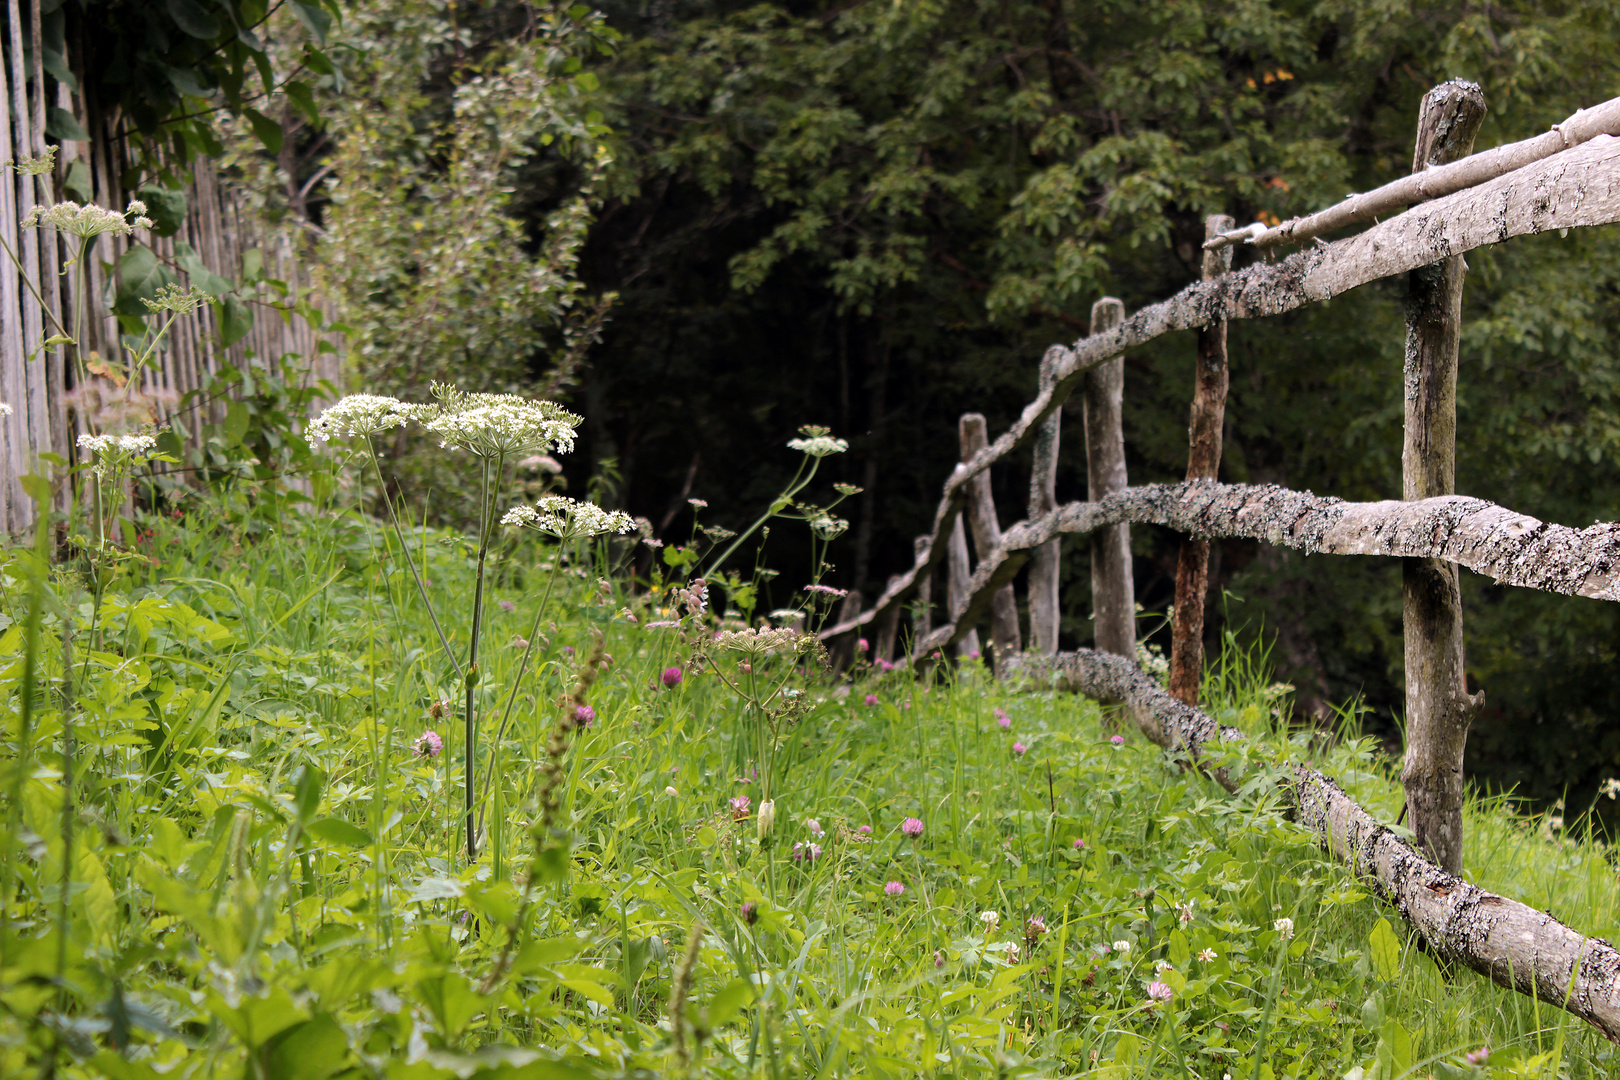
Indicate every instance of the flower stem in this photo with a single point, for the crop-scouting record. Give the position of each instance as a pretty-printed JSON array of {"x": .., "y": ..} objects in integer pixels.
[
  {"x": 486, "y": 514},
  {"x": 404, "y": 546}
]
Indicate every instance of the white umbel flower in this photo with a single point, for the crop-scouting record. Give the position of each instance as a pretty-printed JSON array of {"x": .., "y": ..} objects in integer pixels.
[
  {"x": 568, "y": 519},
  {"x": 116, "y": 454},
  {"x": 87, "y": 220},
  {"x": 5, "y": 410},
  {"x": 756, "y": 643},
  {"x": 180, "y": 301},
  {"x": 497, "y": 425},
  {"x": 359, "y": 416},
  {"x": 817, "y": 442}
]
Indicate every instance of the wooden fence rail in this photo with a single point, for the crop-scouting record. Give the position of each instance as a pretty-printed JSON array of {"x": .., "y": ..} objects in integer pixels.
[{"x": 1568, "y": 179}]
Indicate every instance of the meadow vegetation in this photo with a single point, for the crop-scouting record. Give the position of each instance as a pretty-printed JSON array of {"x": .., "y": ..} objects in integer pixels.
[{"x": 235, "y": 788}]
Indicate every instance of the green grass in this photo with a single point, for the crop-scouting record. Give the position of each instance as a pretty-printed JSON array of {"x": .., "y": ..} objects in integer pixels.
[{"x": 267, "y": 881}]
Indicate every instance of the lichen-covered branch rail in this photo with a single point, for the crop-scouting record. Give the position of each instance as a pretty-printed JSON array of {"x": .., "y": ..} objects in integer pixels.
[
  {"x": 1511, "y": 548},
  {"x": 1512, "y": 944}
]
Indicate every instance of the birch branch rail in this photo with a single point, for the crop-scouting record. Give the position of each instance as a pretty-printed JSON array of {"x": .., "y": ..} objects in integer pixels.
[
  {"x": 1573, "y": 189},
  {"x": 1510, "y": 548},
  {"x": 1583, "y": 126},
  {"x": 1512, "y": 944}
]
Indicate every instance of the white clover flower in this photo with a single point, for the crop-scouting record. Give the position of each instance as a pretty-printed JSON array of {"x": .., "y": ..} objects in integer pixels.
[
  {"x": 1122, "y": 947},
  {"x": 1206, "y": 955},
  {"x": 1285, "y": 927},
  {"x": 116, "y": 454},
  {"x": 85, "y": 221},
  {"x": 991, "y": 920},
  {"x": 497, "y": 425},
  {"x": 174, "y": 298},
  {"x": 5, "y": 410},
  {"x": 1609, "y": 787},
  {"x": 359, "y": 416},
  {"x": 568, "y": 519}
]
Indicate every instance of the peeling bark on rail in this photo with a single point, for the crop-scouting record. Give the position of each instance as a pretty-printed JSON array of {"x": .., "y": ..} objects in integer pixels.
[
  {"x": 1571, "y": 189},
  {"x": 1512, "y": 944},
  {"x": 1434, "y": 182}
]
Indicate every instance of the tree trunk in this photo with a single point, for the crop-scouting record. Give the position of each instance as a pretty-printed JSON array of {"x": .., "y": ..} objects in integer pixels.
[
  {"x": 1113, "y": 594},
  {"x": 981, "y": 515},
  {"x": 1438, "y": 705},
  {"x": 1208, "y": 413},
  {"x": 1044, "y": 565},
  {"x": 888, "y": 628}
]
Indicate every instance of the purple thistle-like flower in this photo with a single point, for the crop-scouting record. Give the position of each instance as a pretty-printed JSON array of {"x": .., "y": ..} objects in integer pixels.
[
  {"x": 1003, "y": 721},
  {"x": 871, "y": 699},
  {"x": 864, "y": 829},
  {"x": 1079, "y": 844},
  {"x": 1159, "y": 991},
  {"x": 1117, "y": 740},
  {"x": 428, "y": 744},
  {"x": 507, "y": 605},
  {"x": 886, "y": 665},
  {"x": 739, "y": 807},
  {"x": 862, "y": 644},
  {"x": 750, "y": 913},
  {"x": 912, "y": 826},
  {"x": 1481, "y": 1056},
  {"x": 584, "y": 716},
  {"x": 1019, "y": 749},
  {"x": 894, "y": 888},
  {"x": 803, "y": 851},
  {"x": 673, "y": 676}
]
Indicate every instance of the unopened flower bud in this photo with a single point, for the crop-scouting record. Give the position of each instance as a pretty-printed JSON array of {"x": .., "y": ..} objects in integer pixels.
[{"x": 766, "y": 818}]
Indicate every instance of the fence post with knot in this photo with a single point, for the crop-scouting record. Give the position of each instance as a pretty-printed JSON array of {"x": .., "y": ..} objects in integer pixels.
[
  {"x": 1113, "y": 594},
  {"x": 1438, "y": 705},
  {"x": 1208, "y": 413}
]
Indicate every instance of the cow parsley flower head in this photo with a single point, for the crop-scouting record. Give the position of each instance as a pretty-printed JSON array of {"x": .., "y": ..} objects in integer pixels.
[
  {"x": 359, "y": 416},
  {"x": 568, "y": 519},
  {"x": 117, "y": 454},
  {"x": 88, "y": 220},
  {"x": 757, "y": 643},
  {"x": 35, "y": 166},
  {"x": 180, "y": 301},
  {"x": 497, "y": 425},
  {"x": 817, "y": 442}
]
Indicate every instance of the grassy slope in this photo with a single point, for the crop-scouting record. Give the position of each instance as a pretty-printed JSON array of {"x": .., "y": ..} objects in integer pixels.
[{"x": 366, "y": 958}]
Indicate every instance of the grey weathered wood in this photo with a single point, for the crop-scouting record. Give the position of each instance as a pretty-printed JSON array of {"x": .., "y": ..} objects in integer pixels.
[
  {"x": 1512, "y": 548},
  {"x": 888, "y": 629},
  {"x": 1573, "y": 189},
  {"x": 1206, "y": 415},
  {"x": 28, "y": 416},
  {"x": 980, "y": 511},
  {"x": 1513, "y": 945},
  {"x": 1435, "y": 181},
  {"x": 1113, "y": 593},
  {"x": 15, "y": 509},
  {"x": 1438, "y": 705},
  {"x": 921, "y": 572},
  {"x": 1045, "y": 563},
  {"x": 958, "y": 573}
]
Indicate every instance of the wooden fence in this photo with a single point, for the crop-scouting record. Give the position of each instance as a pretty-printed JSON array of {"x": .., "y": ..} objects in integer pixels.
[
  {"x": 1566, "y": 178},
  {"x": 52, "y": 405}
]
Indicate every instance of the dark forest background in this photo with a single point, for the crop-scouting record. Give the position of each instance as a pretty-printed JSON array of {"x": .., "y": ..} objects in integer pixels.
[{"x": 877, "y": 216}]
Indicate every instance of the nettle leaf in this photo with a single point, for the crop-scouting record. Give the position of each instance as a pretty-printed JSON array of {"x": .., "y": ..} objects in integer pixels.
[
  {"x": 202, "y": 277},
  {"x": 315, "y": 19},
  {"x": 166, "y": 208},
  {"x": 331, "y": 830},
  {"x": 193, "y": 18},
  {"x": 235, "y": 321},
  {"x": 140, "y": 275}
]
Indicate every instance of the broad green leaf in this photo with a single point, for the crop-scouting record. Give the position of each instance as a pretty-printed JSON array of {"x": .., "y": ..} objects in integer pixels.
[
  {"x": 731, "y": 999},
  {"x": 236, "y": 423},
  {"x": 266, "y": 130},
  {"x": 193, "y": 18},
  {"x": 307, "y": 790},
  {"x": 313, "y": 1050},
  {"x": 1385, "y": 949},
  {"x": 315, "y": 19},
  {"x": 167, "y": 209},
  {"x": 1179, "y": 950},
  {"x": 331, "y": 830},
  {"x": 63, "y": 125},
  {"x": 140, "y": 275},
  {"x": 235, "y": 321}
]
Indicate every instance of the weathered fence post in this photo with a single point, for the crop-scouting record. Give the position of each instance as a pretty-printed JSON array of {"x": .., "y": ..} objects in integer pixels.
[
  {"x": 922, "y": 620},
  {"x": 1044, "y": 564},
  {"x": 958, "y": 572},
  {"x": 1204, "y": 422},
  {"x": 888, "y": 628},
  {"x": 845, "y": 653},
  {"x": 1438, "y": 705},
  {"x": 980, "y": 510},
  {"x": 1113, "y": 594}
]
